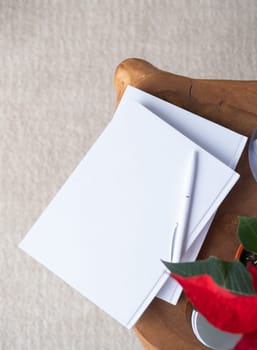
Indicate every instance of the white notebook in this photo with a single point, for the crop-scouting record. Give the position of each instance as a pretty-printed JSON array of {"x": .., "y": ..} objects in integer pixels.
[
  {"x": 221, "y": 142},
  {"x": 109, "y": 226}
]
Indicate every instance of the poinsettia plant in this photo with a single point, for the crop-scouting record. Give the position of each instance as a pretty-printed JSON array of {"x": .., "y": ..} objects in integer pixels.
[{"x": 225, "y": 293}]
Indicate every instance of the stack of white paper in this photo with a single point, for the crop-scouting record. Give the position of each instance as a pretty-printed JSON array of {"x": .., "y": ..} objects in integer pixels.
[
  {"x": 221, "y": 142},
  {"x": 109, "y": 226}
]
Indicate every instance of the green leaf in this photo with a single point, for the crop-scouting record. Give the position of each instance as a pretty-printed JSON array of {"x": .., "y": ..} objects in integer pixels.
[
  {"x": 247, "y": 233},
  {"x": 232, "y": 276}
]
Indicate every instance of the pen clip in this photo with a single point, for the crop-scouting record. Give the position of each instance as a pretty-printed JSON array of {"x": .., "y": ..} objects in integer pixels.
[{"x": 172, "y": 247}]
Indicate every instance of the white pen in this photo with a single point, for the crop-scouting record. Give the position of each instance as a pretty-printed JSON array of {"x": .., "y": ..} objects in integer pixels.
[{"x": 184, "y": 210}]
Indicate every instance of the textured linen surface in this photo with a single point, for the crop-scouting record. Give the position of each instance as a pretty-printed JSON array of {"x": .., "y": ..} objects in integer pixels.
[{"x": 57, "y": 60}]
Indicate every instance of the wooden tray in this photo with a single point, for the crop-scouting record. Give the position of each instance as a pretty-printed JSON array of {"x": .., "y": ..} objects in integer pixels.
[{"x": 232, "y": 104}]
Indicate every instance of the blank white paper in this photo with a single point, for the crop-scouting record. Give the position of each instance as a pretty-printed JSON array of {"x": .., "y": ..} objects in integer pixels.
[{"x": 109, "y": 226}]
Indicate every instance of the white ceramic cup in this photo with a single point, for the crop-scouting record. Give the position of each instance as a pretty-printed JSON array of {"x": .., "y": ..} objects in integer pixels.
[{"x": 210, "y": 336}]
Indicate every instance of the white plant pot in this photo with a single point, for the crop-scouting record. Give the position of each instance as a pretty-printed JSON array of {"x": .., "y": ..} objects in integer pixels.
[{"x": 210, "y": 336}]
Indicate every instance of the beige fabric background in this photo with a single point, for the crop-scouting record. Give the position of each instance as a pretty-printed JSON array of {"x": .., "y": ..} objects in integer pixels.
[{"x": 57, "y": 60}]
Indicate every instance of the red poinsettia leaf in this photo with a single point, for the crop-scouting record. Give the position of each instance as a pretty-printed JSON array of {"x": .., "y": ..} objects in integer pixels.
[
  {"x": 247, "y": 342},
  {"x": 227, "y": 311},
  {"x": 253, "y": 271},
  {"x": 231, "y": 275}
]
